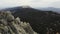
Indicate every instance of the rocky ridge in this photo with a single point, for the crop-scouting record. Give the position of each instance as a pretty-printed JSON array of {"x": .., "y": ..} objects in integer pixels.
[{"x": 11, "y": 25}]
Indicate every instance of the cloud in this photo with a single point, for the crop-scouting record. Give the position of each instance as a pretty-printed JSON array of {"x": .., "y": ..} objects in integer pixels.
[
  {"x": 8, "y": 3},
  {"x": 56, "y": 4},
  {"x": 43, "y": 3},
  {"x": 12, "y": 3},
  {"x": 32, "y": 3}
]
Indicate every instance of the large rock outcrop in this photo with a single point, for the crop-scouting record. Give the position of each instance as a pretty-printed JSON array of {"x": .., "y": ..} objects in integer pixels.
[{"x": 11, "y": 25}]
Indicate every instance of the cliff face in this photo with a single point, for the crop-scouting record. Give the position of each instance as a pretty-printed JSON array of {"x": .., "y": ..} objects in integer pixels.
[{"x": 11, "y": 25}]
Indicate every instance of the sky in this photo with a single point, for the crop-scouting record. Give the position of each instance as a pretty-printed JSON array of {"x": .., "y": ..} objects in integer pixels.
[{"x": 32, "y": 3}]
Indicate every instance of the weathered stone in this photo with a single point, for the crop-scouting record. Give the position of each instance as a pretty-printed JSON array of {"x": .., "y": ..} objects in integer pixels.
[{"x": 11, "y": 25}]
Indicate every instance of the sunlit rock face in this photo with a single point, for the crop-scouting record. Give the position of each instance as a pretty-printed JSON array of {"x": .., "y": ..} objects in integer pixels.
[{"x": 11, "y": 25}]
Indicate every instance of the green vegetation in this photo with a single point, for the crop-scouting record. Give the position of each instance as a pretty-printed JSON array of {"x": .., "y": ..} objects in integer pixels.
[{"x": 40, "y": 21}]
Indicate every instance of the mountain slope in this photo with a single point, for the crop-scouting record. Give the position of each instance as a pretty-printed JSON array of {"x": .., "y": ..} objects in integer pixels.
[{"x": 40, "y": 21}]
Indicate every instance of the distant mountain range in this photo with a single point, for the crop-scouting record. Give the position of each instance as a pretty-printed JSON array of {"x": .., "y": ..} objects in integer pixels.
[
  {"x": 50, "y": 9},
  {"x": 42, "y": 9}
]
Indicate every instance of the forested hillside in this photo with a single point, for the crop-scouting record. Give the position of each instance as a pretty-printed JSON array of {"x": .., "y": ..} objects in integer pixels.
[{"x": 41, "y": 21}]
